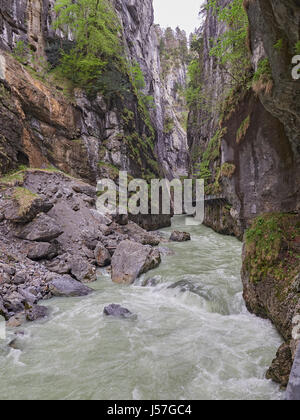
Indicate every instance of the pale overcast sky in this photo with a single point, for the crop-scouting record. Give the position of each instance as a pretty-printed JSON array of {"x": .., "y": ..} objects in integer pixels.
[{"x": 182, "y": 13}]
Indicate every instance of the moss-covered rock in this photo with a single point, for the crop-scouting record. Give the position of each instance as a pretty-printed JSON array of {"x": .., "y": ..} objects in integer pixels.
[{"x": 271, "y": 265}]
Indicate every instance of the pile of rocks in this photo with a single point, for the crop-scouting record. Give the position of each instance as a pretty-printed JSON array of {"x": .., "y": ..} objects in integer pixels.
[{"x": 53, "y": 239}]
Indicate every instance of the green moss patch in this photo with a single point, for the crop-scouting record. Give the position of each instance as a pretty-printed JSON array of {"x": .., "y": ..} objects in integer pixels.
[
  {"x": 271, "y": 250},
  {"x": 25, "y": 199},
  {"x": 242, "y": 131},
  {"x": 12, "y": 179}
]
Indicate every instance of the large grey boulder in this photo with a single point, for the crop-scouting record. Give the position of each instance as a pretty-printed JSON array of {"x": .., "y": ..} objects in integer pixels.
[
  {"x": 42, "y": 250},
  {"x": 17, "y": 213},
  {"x": 85, "y": 189},
  {"x": 132, "y": 259},
  {"x": 82, "y": 270},
  {"x": 65, "y": 286},
  {"x": 42, "y": 229}
]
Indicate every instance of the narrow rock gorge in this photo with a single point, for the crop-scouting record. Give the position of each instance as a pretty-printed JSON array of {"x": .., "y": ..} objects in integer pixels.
[
  {"x": 58, "y": 139},
  {"x": 84, "y": 137},
  {"x": 243, "y": 134},
  {"x": 222, "y": 105}
]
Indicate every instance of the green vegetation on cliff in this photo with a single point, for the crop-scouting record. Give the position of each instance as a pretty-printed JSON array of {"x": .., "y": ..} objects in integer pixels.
[
  {"x": 230, "y": 48},
  {"x": 272, "y": 247},
  {"x": 96, "y": 61},
  {"x": 95, "y": 28},
  {"x": 173, "y": 49},
  {"x": 262, "y": 79}
]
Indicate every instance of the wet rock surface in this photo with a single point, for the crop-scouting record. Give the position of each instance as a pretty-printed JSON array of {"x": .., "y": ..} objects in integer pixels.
[
  {"x": 67, "y": 287},
  {"x": 118, "y": 311},
  {"x": 180, "y": 237},
  {"x": 36, "y": 312},
  {"x": 132, "y": 259},
  {"x": 102, "y": 256},
  {"x": 42, "y": 229}
]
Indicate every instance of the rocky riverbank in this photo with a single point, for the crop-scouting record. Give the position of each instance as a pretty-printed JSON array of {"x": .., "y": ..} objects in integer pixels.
[{"x": 53, "y": 239}]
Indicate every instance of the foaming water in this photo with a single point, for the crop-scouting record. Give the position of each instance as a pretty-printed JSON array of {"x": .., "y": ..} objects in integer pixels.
[{"x": 193, "y": 341}]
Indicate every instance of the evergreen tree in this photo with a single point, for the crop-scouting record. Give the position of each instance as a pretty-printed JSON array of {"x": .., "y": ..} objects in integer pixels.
[{"x": 95, "y": 29}]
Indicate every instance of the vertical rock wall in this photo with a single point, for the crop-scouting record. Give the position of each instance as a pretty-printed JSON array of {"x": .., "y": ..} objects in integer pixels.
[
  {"x": 265, "y": 173},
  {"x": 100, "y": 125},
  {"x": 255, "y": 164}
]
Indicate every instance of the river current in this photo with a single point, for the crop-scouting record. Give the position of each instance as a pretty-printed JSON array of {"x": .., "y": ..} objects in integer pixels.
[{"x": 192, "y": 341}]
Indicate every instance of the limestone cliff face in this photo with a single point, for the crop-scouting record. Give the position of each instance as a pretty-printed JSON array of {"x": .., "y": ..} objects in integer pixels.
[
  {"x": 90, "y": 138},
  {"x": 203, "y": 126},
  {"x": 173, "y": 55},
  {"x": 276, "y": 293},
  {"x": 264, "y": 172},
  {"x": 142, "y": 42}
]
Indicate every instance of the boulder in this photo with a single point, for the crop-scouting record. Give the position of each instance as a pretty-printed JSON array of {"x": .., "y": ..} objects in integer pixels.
[
  {"x": 100, "y": 218},
  {"x": 184, "y": 286},
  {"x": 4, "y": 278},
  {"x": 82, "y": 270},
  {"x": 17, "y": 212},
  {"x": 16, "y": 343},
  {"x": 36, "y": 312},
  {"x": 138, "y": 234},
  {"x": 102, "y": 256},
  {"x": 66, "y": 286},
  {"x": 132, "y": 259},
  {"x": 14, "y": 302},
  {"x": 28, "y": 296},
  {"x": 42, "y": 229},
  {"x": 187, "y": 286},
  {"x": 60, "y": 265},
  {"x": 42, "y": 251},
  {"x": 20, "y": 277},
  {"x": 152, "y": 282},
  {"x": 180, "y": 237},
  {"x": 118, "y": 311},
  {"x": 85, "y": 189},
  {"x": 281, "y": 366},
  {"x": 91, "y": 243},
  {"x": 151, "y": 222}
]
